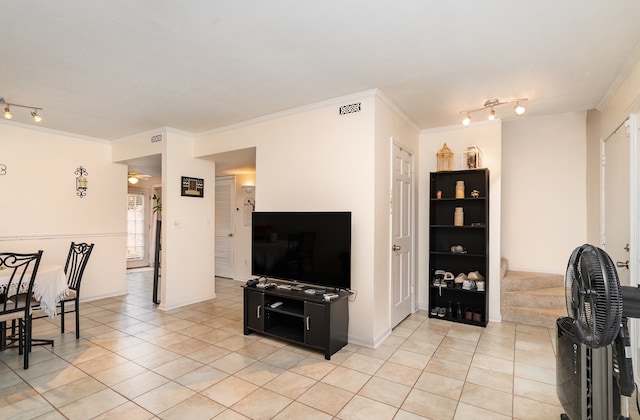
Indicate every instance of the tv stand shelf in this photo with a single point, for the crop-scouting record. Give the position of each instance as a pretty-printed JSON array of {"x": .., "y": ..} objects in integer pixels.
[{"x": 304, "y": 319}]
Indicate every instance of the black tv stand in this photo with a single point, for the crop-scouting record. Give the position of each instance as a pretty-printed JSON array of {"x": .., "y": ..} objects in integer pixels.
[{"x": 302, "y": 318}]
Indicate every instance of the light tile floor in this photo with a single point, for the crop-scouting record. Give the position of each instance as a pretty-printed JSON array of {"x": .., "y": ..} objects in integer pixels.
[{"x": 136, "y": 362}]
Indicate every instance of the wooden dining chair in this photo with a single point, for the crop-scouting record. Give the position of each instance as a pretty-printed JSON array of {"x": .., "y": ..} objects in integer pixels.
[
  {"x": 74, "y": 269},
  {"x": 17, "y": 276}
]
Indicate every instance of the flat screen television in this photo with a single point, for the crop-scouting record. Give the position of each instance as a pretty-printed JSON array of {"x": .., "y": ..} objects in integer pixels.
[{"x": 302, "y": 247}]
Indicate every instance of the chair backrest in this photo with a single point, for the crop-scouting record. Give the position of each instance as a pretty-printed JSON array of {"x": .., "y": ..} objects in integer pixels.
[
  {"x": 17, "y": 276},
  {"x": 76, "y": 262}
]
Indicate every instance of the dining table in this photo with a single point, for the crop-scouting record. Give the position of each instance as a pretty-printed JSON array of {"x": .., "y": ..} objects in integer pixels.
[{"x": 49, "y": 288}]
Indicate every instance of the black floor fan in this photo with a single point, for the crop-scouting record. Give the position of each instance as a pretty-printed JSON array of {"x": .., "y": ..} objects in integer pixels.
[{"x": 594, "y": 372}]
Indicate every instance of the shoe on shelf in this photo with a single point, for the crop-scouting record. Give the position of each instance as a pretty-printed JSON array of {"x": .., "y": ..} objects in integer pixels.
[
  {"x": 461, "y": 278},
  {"x": 480, "y": 285},
  {"x": 448, "y": 276},
  {"x": 468, "y": 314},
  {"x": 475, "y": 275},
  {"x": 477, "y": 316},
  {"x": 442, "y": 312},
  {"x": 466, "y": 285},
  {"x": 435, "y": 310}
]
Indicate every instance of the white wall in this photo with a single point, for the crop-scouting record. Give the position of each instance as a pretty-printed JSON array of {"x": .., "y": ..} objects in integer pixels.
[
  {"x": 544, "y": 191},
  {"x": 313, "y": 159},
  {"x": 187, "y": 261},
  {"x": 187, "y": 226},
  {"x": 487, "y": 136},
  {"x": 40, "y": 209}
]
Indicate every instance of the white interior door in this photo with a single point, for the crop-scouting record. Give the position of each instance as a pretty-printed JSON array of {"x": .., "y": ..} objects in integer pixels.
[
  {"x": 402, "y": 235},
  {"x": 617, "y": 201},
  {"x": 225, "y": 222},
  {"x": 618, "y": 230}
]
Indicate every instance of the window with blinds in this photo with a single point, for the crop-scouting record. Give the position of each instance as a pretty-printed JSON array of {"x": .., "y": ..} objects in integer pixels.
[{"x": 135, "y": 226}]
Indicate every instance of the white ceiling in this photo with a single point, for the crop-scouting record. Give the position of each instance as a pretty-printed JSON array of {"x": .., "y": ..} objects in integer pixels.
[{"x": 110, "y": 69}]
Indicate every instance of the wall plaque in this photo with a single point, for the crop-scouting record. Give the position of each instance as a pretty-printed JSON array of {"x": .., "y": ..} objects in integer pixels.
[{"x": 192, "y": 187}]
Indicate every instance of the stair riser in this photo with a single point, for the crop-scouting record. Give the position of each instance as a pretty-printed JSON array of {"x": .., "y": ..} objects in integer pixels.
[
  {"x": 514, "y": 280},
  {"x": 522, "y": 298},
  {"x": 539, "y": 319}
]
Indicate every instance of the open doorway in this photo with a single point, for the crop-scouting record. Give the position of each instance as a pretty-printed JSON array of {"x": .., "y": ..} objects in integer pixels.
[
  {"x": 239, "y": 166},
  {"x": 144, "y": 181}
]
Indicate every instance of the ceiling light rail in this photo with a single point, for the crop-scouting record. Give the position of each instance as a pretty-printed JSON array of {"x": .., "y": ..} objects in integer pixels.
[
  {"x": 518, "y": 109},
  {"x": 8, "y": 115}
]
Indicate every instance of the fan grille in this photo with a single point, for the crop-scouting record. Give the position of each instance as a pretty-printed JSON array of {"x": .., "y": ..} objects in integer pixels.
[{"x": 593, "y": 297}]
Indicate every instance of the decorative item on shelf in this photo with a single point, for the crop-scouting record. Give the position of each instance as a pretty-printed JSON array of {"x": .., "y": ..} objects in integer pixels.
[
  {"x": 438, "y": 194},
  {"x": 475, "y": 193},
  {"x": 81, "y": 181},
  {"x": 473, "y": 157},
  {"x": 445, "y": 158},
  {"x": 459, "y": 189},
  {"x": 458, "y": 217},
  {"x": 458, "y": 249}
]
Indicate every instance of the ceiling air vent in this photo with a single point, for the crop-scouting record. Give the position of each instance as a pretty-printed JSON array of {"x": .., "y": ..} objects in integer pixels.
[
  {"x": 350, "y": 109},
  {"x": 156, "y": 139}
]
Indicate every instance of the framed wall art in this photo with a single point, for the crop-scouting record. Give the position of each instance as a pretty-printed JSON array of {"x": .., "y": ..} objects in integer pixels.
[{"x": 192, "y": 187}]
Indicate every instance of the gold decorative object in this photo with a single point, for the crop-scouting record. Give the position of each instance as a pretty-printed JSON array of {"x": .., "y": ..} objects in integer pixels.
[
  {"x": 475, "y": 193},
  {"x": 445, "y": 158},
  {"x": 458, "y": 217},
  {"x": 459, "y": 189}
]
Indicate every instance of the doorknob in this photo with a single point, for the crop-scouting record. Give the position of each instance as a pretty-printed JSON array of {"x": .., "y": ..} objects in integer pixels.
[
  {"x": 622, "y": 264},
  {"x": 396, "y": 248}
]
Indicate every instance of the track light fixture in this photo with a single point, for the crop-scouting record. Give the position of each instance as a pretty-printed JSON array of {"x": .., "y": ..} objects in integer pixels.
[
  {"x": 492, "y": 103},
  {"x": 8, "y": 115}
]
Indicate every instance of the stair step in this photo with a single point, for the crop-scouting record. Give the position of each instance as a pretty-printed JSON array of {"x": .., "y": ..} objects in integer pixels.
[
  {"x": 524, "y": 280},
  {"x": 549, "y": 297},
  {"x": 543, "y": 317}
]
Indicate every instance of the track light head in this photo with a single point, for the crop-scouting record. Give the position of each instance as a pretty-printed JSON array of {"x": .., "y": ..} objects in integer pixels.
[
  {"x": 37, "y": 118},
  {"x": 467, "y": 120},
  {"x": 492, "y": 115},
  {"x": 519, "y": 109},
  {"x": 7, "y": 113}
]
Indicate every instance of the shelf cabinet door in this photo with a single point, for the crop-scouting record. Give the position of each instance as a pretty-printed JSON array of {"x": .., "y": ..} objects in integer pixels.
[
  {"x": 254, "y": 310},
  {"x": 315, "y": 324}
]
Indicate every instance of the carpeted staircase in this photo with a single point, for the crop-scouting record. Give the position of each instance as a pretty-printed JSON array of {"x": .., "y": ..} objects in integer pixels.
[{"x": 532, "y": 298}]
